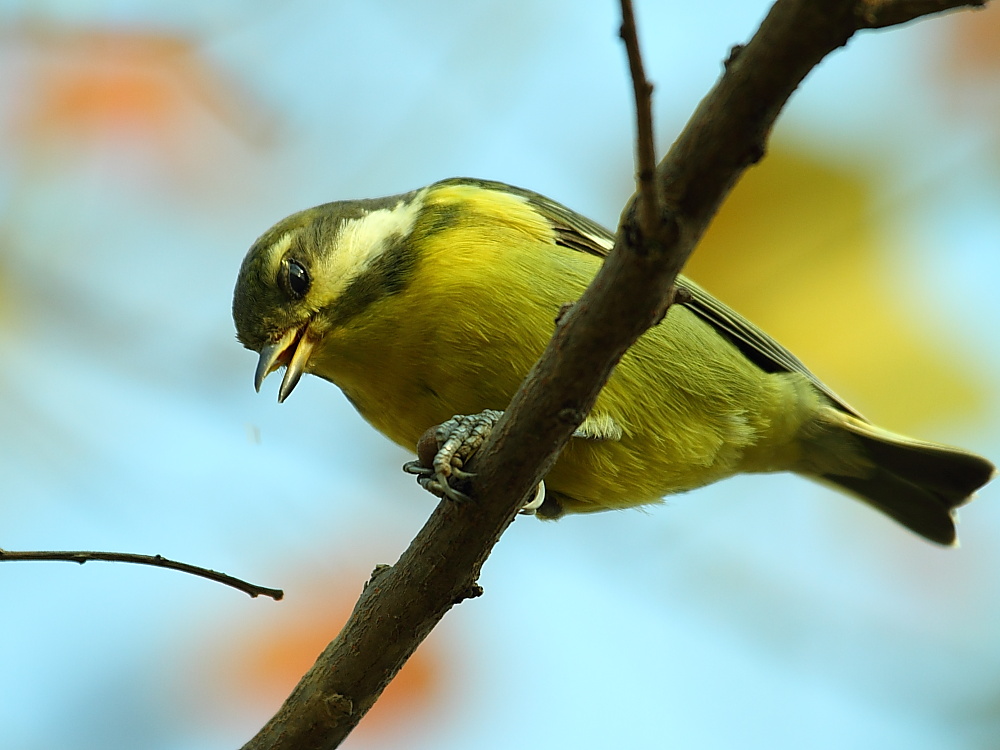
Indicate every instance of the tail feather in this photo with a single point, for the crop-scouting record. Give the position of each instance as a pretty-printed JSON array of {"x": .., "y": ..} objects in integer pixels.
[
  {"x": 918, "y": 484},
  {"x": 917, "y": 508}
]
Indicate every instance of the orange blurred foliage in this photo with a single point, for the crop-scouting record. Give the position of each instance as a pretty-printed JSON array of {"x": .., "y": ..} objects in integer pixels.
[
  {"x": 974, "y": 47},
  {"x": 966, "y": 71},
  {"x": 85, "y": 84},
  {"x": 262, "y": 663}
]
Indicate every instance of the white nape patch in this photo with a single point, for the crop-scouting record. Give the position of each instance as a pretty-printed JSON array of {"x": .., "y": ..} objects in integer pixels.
[{"x": 360, "y": 241}]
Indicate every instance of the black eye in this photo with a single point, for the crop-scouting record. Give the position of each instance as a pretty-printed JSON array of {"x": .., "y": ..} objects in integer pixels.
[{"x": 297, "y": 279}]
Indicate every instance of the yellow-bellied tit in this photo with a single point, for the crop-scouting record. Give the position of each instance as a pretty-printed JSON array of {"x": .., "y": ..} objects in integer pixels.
[{"x": 437, "y": 302}]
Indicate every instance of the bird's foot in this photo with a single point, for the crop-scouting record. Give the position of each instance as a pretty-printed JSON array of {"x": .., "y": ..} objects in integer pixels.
[{"x": 445, "y": 449}]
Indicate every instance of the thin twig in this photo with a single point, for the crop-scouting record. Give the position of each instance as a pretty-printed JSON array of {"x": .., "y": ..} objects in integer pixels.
[
  {"x": 645, "y": 146},
  {"x": 157, "y": 561}
]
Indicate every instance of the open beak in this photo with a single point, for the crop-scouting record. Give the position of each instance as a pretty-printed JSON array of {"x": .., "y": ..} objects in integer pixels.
[{"x": 293, "y": 351}]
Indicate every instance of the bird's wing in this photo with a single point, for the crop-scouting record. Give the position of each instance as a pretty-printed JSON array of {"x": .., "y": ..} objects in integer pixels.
[
  {"x": 579, "y": 233},
  {"x": 757, "y": 346}
]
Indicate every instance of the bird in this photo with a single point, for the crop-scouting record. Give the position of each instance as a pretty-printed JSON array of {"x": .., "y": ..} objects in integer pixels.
[{"x": 436, "y": 302}]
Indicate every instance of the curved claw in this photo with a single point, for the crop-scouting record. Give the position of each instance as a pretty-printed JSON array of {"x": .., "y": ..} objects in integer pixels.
[
  {"x": 417, "y": 468},
  {"x": 529, "y": 508},
  {"x": 452, "y": 494}
]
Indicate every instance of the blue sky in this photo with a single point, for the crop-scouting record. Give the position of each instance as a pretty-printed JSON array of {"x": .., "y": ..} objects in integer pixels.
[{"x": 759, "y": 612}]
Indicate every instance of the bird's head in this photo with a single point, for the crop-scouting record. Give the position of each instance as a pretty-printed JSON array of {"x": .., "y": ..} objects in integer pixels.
[{"x": 313, "y": 271}]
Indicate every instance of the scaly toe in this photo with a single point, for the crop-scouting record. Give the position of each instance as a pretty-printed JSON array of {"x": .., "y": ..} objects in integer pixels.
[{"x": 447, "y": 448}]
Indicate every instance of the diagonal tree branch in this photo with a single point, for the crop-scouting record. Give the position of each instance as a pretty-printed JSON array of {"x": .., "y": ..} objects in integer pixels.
[{"x": 726, "y": 134}]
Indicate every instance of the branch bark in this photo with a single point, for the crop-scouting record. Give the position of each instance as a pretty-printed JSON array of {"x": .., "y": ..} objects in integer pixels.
[{"x": 727, "y": 133}]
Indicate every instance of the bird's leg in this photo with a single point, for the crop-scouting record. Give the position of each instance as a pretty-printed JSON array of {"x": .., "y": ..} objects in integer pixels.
[{"x": 445, "y": 449}]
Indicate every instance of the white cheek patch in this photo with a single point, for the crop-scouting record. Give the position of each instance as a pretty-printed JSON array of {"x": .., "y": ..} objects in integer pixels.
[{"x": 358, "y": 242}]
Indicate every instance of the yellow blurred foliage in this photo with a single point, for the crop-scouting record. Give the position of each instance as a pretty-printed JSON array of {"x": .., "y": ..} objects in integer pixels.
[{"x": 796, "y": 250}]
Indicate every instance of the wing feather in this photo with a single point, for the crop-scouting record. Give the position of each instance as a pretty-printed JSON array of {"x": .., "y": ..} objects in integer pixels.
[{"x": 579, "y": 233}]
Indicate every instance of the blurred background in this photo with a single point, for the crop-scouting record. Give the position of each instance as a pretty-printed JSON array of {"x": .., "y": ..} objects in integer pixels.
[{"x": 144, "y": 146}]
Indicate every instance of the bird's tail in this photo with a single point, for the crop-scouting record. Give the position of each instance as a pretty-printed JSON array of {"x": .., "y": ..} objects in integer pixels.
[{"x": 918, "y": 484}]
